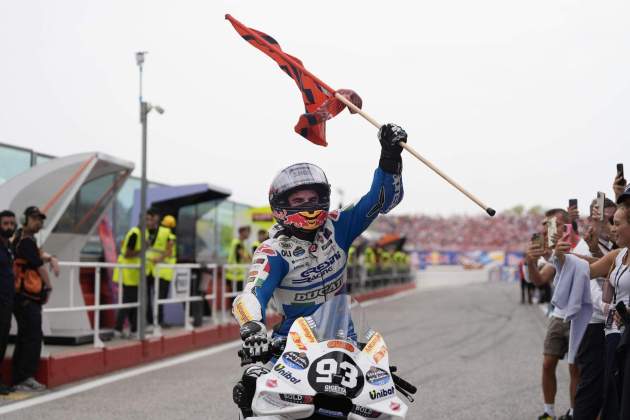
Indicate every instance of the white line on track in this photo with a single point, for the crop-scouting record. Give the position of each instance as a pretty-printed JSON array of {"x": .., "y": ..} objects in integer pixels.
[{"x": 86, "y": 386}]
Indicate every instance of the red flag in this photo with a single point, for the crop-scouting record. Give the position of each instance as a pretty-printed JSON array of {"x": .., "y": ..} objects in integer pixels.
[{"x": 319, "y": 99}]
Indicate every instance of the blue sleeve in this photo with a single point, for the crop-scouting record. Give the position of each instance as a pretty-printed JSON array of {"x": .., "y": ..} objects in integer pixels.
[
  {"x": 267, "y": 271},
  {"x": 385, "y": 193}
]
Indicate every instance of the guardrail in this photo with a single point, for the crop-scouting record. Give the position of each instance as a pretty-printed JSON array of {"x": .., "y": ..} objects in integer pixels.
[{"x": 357, "y": 279}]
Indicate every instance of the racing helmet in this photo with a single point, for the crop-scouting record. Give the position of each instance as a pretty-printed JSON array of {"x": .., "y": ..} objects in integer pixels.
[{"x": 307, "y": 217}]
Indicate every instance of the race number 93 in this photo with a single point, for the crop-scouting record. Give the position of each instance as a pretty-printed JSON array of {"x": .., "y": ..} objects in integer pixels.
[{"x": 336, "y": 373}]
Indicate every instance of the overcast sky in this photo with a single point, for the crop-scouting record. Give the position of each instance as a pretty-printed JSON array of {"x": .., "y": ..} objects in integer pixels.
[{"x": 520, "y": 101}]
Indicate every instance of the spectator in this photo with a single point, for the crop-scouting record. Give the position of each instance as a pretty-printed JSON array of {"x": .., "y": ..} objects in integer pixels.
[
  {"x": 591, "y": 356},
  {"x": 33, "y": 289},
  {"x": 7, "y": 287},
  {"x": 556, "y": 341},
  {"x": 527, "y": 288},
  {"x": 614, "y": 266}
]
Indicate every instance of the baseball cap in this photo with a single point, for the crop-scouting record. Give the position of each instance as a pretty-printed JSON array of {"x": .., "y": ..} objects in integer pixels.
[
  {"x": 624, "y": 195},
  {"x": 33, "y": 211}
]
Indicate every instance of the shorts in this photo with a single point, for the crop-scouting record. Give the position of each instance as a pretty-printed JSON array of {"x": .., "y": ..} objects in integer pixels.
[{"x": 557, "y": 337}]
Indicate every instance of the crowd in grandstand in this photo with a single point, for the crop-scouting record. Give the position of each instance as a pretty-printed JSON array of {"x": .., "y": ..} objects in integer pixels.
[{"x": 507, "y": 231}]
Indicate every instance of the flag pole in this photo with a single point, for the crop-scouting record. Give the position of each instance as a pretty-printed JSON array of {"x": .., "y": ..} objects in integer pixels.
[{"x": 417, "y": 155}]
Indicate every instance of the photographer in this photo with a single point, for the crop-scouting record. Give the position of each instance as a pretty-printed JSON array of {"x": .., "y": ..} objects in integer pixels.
[
  {"x": 556, "y": 343},
  {"x": 33, "y": 289}
]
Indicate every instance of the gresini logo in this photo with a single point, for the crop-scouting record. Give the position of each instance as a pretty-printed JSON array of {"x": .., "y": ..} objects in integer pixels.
[
  {"x": 324, "y": 291},
  {"x": 281, "y": 369},
  {"x": 323, "y": 268},
  {"x": 377, "y": 395}
]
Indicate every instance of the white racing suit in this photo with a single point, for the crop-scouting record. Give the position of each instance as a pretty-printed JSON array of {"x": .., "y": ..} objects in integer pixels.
[{"x": 301, "y": 275}]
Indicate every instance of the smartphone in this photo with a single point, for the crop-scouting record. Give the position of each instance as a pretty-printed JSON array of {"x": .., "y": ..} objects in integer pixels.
[
  {"x": 600, "y": 204},
  {"x": 573, "y": 202},
  {"x": 568, "y": 231},
  {"x": 537, "y": 239},
  {"x": 622, "y": 181},
  {"x": 552, "y": 230}
]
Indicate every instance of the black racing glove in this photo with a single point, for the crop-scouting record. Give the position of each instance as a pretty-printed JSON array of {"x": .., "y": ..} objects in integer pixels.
[
  {"x": 255, "y": 341},
  {"x": 390, "y": 135}
]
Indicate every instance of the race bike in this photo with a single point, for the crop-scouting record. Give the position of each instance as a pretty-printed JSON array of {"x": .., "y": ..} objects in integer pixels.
[{"x": 324, "y": 369}]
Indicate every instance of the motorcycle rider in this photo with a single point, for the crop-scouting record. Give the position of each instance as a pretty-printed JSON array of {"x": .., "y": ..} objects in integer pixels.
[{"x": 302, "y": 264}]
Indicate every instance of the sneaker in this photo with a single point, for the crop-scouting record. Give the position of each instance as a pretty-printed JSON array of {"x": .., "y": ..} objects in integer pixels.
[
  {"x": 29, "y": 385},
  {"x": 566, "y": 416},
  {"x": 545, "y": 416},
  {"x": 5, "y": 390}
]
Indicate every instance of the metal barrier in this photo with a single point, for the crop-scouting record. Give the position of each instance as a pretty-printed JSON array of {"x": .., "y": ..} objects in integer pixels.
[
  {"x": 97, "y": 307},
  {"x": 357, "y": 277},
  {"x": 188, "y": 298}
]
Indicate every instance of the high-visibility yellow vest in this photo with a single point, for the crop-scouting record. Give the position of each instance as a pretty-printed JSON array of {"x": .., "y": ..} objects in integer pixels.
[
  {"x": 400, "y": 259},
  {"x": 234, "y": 257},
  {"x": 130, "y": 276},
  {"x": 369, "y": 258},
  {"x": 157, "y": 250},
  {"x": 386, "y": 259},
  {"x": 352, "y": 255},
  {"x": 255, "y": 246},
  {"x": 168, "y": 273}
]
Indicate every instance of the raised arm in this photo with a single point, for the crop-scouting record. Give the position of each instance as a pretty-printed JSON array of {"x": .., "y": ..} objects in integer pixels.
[{"x": 386, "y": 190}]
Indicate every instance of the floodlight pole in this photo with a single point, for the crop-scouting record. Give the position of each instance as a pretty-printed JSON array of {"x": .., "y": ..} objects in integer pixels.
[{"x": 142, "y": 289}]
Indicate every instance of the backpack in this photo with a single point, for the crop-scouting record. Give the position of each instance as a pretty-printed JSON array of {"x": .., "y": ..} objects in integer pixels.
[{"x": 28, "y": 282}]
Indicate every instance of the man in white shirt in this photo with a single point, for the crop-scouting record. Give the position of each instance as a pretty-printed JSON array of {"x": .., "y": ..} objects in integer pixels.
[{"x": 556, "y": 342}]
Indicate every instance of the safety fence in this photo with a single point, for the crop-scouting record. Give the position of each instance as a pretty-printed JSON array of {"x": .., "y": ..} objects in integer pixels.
[{"x": 211, "y": 287}]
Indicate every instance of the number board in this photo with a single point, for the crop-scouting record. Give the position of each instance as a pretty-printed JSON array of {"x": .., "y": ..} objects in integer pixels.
[{"x": 336, "y": 373}]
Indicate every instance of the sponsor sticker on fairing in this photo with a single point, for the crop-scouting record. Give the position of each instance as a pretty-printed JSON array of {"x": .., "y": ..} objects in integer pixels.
[
  {"x": 377, "y": 376},
  {"x": 281, "y": 369},
  {"x": 366, "y": 412},
  {"x": 297, "y": 340},
  {"x": 341, "y": 345},
  {"x": 306, "y": 330},
  {"x": 380, "y": 353},
  {"x": 382, "y": 393},
  {"x": 297, "y": 398},
  {"x": 371, "y": 346},
  {"x": 295, "y": 360},
  {"x": 335, "y": 389}
]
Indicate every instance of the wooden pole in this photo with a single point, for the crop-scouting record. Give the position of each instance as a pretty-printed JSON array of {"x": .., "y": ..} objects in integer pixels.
[{"x": 417, "y": 155}]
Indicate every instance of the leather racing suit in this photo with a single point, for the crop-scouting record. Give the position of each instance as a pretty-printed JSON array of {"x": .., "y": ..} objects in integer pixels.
[{"x": 301, "y": 275}]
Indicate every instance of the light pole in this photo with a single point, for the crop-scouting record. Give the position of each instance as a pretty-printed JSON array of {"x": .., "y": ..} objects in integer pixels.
[{"x": 145, "y": 108}]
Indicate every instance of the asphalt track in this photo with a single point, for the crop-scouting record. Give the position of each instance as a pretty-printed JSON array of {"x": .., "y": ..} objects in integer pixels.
[{"x": 472, "y": 348}]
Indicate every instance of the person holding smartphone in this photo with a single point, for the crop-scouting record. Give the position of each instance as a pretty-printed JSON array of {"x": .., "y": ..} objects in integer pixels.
[
  {"x": 615, "y": 267},
  {"x": 556, "y": 343}
]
